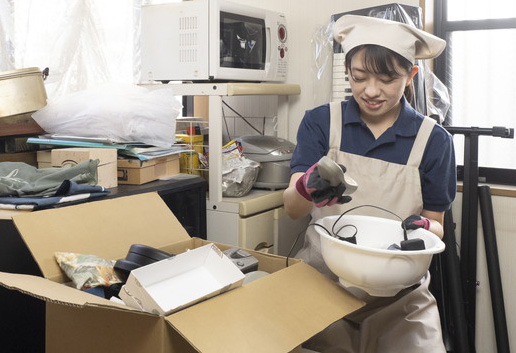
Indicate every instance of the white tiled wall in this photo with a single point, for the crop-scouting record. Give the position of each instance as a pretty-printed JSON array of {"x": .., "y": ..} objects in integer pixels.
[{"x": 259, "y": 111}]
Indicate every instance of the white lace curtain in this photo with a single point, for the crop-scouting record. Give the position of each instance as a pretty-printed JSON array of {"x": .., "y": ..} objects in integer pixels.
[{"x": 82, "y": 42}]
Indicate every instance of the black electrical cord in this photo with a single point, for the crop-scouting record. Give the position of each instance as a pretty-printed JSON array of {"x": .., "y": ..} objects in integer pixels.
[
  {"x": 226, "y": 123},
  {"x": 351, "y": 239},
  {"x": 293, "y": 245},
  {"x": 377, "y": 207}
]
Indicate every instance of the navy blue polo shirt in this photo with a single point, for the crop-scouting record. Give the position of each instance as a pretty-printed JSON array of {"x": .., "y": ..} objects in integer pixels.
[{"x": 437, "y": 169}]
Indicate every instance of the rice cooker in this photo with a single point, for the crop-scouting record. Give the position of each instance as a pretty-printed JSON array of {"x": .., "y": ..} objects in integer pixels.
[{"x": 274, "y": 154}]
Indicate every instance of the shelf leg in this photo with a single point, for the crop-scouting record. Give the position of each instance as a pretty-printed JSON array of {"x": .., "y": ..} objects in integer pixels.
[{"x": 215, "y": 149}]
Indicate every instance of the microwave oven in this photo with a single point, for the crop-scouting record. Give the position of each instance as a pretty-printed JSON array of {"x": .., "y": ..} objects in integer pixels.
[{"x": 212, "y": 40}]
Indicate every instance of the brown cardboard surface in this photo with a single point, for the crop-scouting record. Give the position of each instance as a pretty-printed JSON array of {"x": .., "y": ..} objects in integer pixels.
[
  {"x": 8, "y": 214},
  {"x": 104, "y": 228},
  {"x": 136, "y": 172},
  {"x": 25, "y": 157},
  {"x": 273, "y": 314},
  {"x": 90, "y": 329},
  {"x": 61, "y": 157},
  {"x": 44, "y": 289},
  {"x": 44, "y": 156},
  {"x": 133, "y": 176}
]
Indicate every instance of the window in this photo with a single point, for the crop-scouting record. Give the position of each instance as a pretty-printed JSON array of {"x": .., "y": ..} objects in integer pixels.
[
  {"x": 83, "y": 42},
  {"x": 479, "y": 69}
]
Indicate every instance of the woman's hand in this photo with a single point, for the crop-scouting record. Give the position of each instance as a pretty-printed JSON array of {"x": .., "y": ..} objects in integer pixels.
[{"x": 318, "y": 190}]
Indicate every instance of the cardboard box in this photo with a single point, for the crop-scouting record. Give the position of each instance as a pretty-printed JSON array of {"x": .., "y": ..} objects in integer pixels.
[
  {"x": 60, "y": 157},
  {"x": 190, "y": 277},
  {"x": 25, "y": 157},
  {"x": 44, "y": 159},
  {"x": 136, "y": 172},
  {"x": 275, "y": 313}
]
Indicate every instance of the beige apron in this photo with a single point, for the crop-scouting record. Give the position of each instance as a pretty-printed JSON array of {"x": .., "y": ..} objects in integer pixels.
[{"x": 409, "y": 321}]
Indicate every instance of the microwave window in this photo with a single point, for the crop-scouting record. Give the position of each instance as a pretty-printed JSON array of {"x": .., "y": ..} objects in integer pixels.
[{"x": 242, "y": 42}]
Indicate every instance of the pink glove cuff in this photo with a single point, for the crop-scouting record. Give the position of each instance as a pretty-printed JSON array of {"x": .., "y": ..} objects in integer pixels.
[
  {"x": 300, "y": 188},
  {"x": 423, "y": 222}
]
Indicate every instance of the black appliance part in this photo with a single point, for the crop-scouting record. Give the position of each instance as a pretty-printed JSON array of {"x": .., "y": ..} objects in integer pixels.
[
  {"x": 143, "y": 253},
  {"x": 138, "y": 256}
]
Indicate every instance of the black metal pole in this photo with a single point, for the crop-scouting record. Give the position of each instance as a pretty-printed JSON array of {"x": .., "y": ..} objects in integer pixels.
[
  {"x": 454, "y": 288},
  {"x": 440, "y": 292},
  {"x": 495, "y": 131},
  {"x": 469, "y": 220},
  {"x": 468, "y": 245},
  {"x": 493, "y": 270}
]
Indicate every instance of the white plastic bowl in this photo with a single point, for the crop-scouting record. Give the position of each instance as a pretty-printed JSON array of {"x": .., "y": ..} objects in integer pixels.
[{"x": 369, "y": 265}]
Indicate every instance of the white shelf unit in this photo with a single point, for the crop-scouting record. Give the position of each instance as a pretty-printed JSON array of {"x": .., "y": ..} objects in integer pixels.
[{"x": 232, "y": 220}]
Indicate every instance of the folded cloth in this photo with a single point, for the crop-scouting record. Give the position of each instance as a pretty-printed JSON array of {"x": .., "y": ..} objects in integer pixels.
[
  {"x": 21, "y": 179},
  {"x": 68, "y": 191}
]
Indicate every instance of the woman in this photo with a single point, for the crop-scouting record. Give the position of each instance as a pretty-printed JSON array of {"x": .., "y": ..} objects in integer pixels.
[{"x": 402, "y": 162}]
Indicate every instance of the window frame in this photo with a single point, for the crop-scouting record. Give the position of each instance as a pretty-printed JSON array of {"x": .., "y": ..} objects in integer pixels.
[{"x": 442, "y": 27}]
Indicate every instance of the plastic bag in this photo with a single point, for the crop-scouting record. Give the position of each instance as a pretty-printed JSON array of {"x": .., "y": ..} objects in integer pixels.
[
  {"x": 87, "y": 271},
  {"x": 238, "y": 172},
  {"x": 438, "y": 98},
  {"x": 122, "y": 113},
  {"x": 322, "y": 50}
]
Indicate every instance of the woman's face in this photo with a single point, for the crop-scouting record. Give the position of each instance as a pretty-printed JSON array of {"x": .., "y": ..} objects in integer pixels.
[{"x": 377, "y": 95}]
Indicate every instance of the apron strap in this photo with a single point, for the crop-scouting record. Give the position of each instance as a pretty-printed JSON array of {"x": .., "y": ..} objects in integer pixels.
[
  {"x": 335, "y": 125},
  {"x": 418, "y": 149}
]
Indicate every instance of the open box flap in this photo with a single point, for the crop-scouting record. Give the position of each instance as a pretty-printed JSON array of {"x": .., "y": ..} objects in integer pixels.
[
  {"x": 49, "y": 291},
  {"x": 104, "y": 228},
  {"x": 273, "y": 314}
]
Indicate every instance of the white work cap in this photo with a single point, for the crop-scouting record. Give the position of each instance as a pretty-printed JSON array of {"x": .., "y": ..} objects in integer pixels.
[{"x": 411, "y": 43}]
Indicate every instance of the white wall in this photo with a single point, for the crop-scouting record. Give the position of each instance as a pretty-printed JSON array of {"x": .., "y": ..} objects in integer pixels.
[{"x": 304, "y": 19}]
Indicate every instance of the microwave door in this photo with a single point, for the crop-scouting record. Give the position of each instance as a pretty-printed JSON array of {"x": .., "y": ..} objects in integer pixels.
[{"x": 242, "y": 46}]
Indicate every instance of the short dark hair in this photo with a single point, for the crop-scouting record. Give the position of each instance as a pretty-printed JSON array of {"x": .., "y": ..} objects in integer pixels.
[{"x": 382, "y": 61}]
